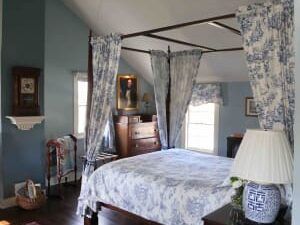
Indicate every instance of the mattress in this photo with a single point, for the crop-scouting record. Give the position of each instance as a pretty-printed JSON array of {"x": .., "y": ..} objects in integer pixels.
[{"x": 172, "y": 187}]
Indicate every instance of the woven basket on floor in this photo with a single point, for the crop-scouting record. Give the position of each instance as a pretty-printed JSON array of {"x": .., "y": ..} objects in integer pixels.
[{"x": 28, "y": 203}]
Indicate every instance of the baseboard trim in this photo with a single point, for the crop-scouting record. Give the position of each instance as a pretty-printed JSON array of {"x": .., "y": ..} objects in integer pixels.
[{"x": 8, "y": 202}]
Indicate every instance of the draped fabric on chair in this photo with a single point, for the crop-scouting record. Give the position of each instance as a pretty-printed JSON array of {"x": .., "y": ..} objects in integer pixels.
[
  {"x": 206, "y": 93},
  {"x": 184, "y": 67},
  {"x": 268, "y": 33},
  {"x": 106, "y": 55},
  {"x": 160, "y": 69}
]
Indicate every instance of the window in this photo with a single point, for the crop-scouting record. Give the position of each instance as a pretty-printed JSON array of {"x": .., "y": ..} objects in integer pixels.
[
  {"x": 202, "y": 128},
  {"x": 80, "y": 103}
]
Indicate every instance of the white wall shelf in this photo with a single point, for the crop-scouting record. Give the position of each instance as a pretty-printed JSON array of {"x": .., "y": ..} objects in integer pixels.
[{"x": 25, "y": 122}]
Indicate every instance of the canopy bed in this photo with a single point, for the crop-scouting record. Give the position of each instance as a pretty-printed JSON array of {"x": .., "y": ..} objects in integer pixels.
[{"x": 174, "y": 76}]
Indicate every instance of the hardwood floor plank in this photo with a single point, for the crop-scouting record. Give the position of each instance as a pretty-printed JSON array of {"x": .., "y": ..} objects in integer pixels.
[{"x": 60, "y": 212}]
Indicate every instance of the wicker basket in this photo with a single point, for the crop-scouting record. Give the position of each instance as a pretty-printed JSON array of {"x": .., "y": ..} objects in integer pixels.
[{"x": 27, "y": 203}]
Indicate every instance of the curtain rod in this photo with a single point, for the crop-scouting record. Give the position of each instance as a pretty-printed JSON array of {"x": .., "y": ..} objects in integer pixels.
[
  {"x": 179, "y": 25},
  {"x": 178, "y": 41}
]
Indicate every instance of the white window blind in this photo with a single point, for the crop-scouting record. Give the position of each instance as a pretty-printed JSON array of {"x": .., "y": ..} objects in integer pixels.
[
  {"x": 80, "y": 103},
  {"x": 202, "y": 128}
]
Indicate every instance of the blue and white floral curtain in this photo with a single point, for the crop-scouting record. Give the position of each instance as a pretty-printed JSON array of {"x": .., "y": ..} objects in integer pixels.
[
  {"x": 160, "y": 69},
  {"x": 204, "y": 93},
  {"x": 184, "y": 67},
  {"x": 106, "y": 55},
  {"x": 108, "y": 142},
  {"x": 268, "y": 33}
]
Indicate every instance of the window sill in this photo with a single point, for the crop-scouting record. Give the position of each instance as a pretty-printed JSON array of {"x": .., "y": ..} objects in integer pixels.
[
  {"x": 79, "y": 136},
  {"x": 202, "y": 151}
]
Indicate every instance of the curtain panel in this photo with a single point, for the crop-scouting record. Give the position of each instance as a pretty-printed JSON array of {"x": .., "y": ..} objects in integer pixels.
[
  {"x": 206, "y": 93},
  {"x": 108, "y": 140},
  {"x": 268, "y": 33},
  {"x": 160, "y": 69},
  {"x": 106, "y": 55},
  {"x": 184, "y": 67}
]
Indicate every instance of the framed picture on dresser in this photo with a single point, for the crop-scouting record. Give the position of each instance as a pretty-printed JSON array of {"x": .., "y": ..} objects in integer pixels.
[{"x": 127, "y": 92}]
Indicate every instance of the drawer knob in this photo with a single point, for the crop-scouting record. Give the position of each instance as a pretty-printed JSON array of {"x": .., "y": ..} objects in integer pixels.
[
  {"x": 136, "y": 132},
  {"x": 155, "y": 130},
  {"x": 155, "y": 143},
  {"x": 136, "y": 145}
]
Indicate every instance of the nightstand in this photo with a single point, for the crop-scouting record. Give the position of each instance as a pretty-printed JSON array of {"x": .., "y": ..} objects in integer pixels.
[
  {"x": 233, "y": 144},
  {"x": 223, "y": 216}
]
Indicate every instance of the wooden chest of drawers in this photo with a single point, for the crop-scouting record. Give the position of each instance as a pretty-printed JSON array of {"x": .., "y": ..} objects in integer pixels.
[{"x": 136, "y": 135}]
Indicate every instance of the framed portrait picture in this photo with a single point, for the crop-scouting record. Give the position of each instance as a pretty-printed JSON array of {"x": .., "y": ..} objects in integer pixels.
[
  {"x": 127, "y": 92},
  {"x": 250, "y": 107}
]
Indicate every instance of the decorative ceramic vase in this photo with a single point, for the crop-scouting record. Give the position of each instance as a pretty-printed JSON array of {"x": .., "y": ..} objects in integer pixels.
[{"x": 261, "y": 203}]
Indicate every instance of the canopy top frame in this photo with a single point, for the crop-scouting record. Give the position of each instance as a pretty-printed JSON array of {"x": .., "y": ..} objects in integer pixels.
[{"x": 213, "y": 21}]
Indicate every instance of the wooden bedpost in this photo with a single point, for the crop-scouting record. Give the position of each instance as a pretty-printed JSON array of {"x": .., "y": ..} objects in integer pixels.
[
  {"x": 91, "y": 221},
  {"x": 90, "y": 82},
  {"x": 94, "y": 219},
  {"x": 168, "y": 100}
]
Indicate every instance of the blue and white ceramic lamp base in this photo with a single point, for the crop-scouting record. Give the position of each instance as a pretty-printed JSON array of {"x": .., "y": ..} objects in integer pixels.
[{"x": 261, "y": 202}]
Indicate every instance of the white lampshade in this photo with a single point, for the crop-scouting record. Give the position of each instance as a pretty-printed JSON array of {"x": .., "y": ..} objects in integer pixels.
[{"x": 265, "y": 157}]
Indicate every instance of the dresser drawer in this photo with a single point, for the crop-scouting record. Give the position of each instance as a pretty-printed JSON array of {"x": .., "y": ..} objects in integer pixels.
[
  {"x": 144, "y": 144},
  {"x": 127, "y": 119},
  {"x": 145, "y": 130}
]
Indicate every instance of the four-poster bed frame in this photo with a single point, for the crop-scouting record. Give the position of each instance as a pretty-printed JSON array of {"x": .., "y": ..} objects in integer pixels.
[{"x": 150, "y": 33}]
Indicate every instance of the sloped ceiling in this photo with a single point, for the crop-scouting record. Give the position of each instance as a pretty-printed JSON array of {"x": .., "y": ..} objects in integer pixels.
[{"x": 127, "y": 16}]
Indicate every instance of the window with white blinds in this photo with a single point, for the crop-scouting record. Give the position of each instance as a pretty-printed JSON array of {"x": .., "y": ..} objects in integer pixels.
[
  {"x": 80, "y": 103},
  {"x": 202, "y": 128}
]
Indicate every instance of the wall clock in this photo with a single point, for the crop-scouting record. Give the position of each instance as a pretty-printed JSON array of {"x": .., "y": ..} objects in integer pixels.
[{"x": 26, "y": 91}]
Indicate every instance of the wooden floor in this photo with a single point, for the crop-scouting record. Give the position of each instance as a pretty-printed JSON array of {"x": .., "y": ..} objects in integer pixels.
[
  {"x": 55, "y": 212},
  {"x": 60, "y": 212}
]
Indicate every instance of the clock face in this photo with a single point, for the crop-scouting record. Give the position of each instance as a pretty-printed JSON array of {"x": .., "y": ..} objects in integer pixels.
[{"x": 27, "y": 86}]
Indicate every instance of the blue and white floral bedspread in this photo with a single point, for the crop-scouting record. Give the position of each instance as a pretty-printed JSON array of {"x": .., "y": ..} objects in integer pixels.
[{"x": 173, "y": 187}]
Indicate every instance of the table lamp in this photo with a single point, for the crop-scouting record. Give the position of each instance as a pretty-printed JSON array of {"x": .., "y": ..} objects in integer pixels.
[{"x": 265, "y": 160}]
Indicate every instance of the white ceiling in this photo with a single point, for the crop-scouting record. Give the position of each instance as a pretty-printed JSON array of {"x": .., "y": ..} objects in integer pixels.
[{"x": 127, "y": 16}]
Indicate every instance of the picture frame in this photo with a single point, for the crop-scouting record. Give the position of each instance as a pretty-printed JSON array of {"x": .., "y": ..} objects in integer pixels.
[
  {"x": 127, "y": 92},
  {"x": 250, "y": 107}
]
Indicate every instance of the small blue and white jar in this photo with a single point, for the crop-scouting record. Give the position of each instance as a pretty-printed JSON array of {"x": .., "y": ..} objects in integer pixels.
[{"x": 261, "y": 202}]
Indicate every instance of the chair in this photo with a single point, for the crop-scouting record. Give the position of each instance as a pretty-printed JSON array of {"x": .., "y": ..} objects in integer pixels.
[{"x": 57, "y": 154}]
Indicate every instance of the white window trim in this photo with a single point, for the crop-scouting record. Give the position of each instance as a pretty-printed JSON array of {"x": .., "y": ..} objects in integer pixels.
[
  {"x": 216, "y": 130},
  {"x": 77, "y": 77},
  {"x": 216, "y": 133}
]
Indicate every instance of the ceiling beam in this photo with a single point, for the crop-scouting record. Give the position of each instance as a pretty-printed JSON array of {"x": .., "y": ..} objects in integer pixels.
[
  {"x": 224, "y": 26},
  {"x": 225, "y": 50},
  {"x": 178, "y": 41},
  {"x": 176, "y": 26},
  {"x": 136, "y": 50}
]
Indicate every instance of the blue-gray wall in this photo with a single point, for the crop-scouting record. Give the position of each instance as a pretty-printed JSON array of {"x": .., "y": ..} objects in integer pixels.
[
  {"x": 232, "y": 117},
  {"x": 43, "y": 34},
  {"x": 296, "y": 198},
  {"x": 66, "y": 49},
  {"x": 23, "y": 45}
]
